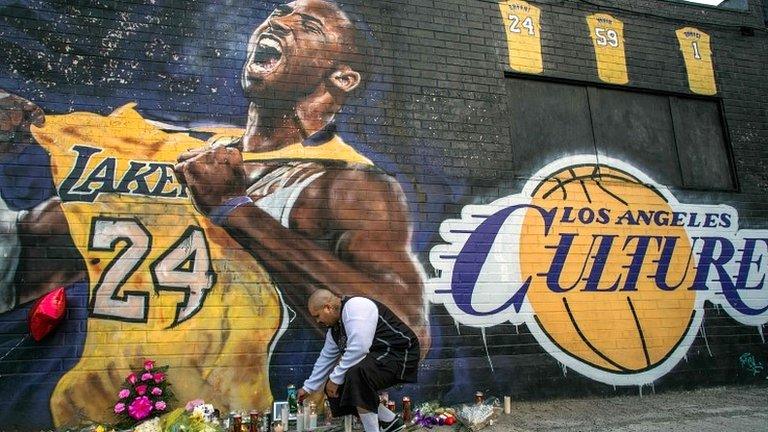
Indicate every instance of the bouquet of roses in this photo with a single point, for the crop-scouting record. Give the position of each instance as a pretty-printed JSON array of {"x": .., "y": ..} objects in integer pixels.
[{"x": 144, "y": 394}]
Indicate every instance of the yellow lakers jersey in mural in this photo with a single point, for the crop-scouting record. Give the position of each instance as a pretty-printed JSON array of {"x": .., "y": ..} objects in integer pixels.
[{"x": 165, "y": 283}]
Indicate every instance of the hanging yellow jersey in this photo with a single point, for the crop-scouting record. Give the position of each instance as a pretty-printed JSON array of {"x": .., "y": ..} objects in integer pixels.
[
  {"x": 697, "y": 53},
  {"x": 523, "y": 29},
  {"x": 607, "y": 34},
  {"x": 165, "y": 283}
]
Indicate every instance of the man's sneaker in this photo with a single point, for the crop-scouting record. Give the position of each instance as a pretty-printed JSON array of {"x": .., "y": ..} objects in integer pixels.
[{"x": 393, "y": 426}]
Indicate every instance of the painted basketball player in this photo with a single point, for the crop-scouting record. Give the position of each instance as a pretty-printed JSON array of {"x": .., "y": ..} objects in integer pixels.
[{"x": 345, "y": 225}]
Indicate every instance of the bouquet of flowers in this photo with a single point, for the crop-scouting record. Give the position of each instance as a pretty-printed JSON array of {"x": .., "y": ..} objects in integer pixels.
[
  {"x": 203, "y": 411},
  {"x": 144, "y": 394},
  {"x": 197, "y": 416},
  {"x": 431, "y": 414}
]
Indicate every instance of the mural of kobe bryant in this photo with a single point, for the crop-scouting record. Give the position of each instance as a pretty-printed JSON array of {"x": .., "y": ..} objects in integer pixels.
[
  {"x": 303, "y": 63},
  {"x": 263, "y": 218}
]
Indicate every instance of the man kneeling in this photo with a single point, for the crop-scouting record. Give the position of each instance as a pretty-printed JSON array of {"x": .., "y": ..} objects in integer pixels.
[{"x": 367, "y": 349}]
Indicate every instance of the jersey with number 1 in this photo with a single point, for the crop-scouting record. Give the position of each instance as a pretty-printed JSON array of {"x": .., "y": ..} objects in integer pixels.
[{"x": 165, "y": 283}]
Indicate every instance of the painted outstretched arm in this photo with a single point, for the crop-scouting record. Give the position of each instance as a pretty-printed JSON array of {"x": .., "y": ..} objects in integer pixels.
[
  {"x": 366, "y": 213},
  {"x": 38, "y": 253},
  {"x": 49, "y": 258},
  {"x": 17, "y": 115},
  {"x": 45, "y": 255}
]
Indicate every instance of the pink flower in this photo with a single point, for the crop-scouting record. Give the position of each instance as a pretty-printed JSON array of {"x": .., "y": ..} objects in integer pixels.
[
  {"x": 141, "y": 389},
  {"x": 119, "y": 407},
  {"x": 193, "y": 403},
  {"x": 159, "y": 377},
  {"x": 149, "y": 364},
  {"x": 160, "y": 405},
  {"x": 131, "y": 378},
  {"x": 140, "y": 408},
  {"x": 124, "y": 393},
  {"x": 157, "y": 391}
]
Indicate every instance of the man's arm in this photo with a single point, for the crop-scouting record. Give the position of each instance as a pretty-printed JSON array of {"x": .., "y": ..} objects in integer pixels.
[
  {"x": 323, "y": 366},
  {"x": 360, "y": 317},
  {"x": 365, "y": 211}
]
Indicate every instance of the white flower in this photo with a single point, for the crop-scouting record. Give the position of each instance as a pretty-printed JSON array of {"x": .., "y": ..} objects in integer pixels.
[
  {"x": 205, "y": 411},
  {"x": 149, "y": 426}
]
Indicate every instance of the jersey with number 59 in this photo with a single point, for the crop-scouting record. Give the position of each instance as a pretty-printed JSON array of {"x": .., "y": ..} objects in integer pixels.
[{"x": 165, "y": 283}]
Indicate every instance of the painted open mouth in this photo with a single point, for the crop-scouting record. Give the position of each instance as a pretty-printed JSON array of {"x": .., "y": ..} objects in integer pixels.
[{"x": 266, "y": 56}]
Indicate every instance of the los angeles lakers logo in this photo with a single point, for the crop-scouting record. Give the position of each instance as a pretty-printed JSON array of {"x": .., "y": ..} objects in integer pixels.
[{"x": 607, "y": 269}]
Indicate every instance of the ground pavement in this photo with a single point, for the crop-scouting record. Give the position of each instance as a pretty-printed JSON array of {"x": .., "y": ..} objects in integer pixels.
[{"x": 719, "y": 409}]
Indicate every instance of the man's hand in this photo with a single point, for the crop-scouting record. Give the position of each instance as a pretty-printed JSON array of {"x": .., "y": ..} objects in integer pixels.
[
  {"x": 17, "y": 115},
  {"x": 213, "y": 176},
  {"x": 302, "y": 395},
  {"x": 331, "y": 389}
]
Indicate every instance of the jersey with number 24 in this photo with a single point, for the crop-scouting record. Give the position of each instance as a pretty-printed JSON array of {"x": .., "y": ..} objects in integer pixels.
[{"x": 165, "y": 283}]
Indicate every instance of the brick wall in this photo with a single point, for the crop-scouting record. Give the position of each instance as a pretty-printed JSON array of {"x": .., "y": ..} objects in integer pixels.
[{"x": 437, "y": 115}]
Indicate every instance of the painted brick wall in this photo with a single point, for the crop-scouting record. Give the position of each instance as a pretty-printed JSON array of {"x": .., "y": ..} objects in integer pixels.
[{"x": 436, "y": 114}]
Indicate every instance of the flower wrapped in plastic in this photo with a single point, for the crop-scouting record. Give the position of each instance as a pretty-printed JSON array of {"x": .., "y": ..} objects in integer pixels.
[
  {"x": 199, "y": 409},
  {"x": 197, "y": 416},
  {"x": 477, "y": 416},
  {"x": 145, "y": 394},
  {"x": 424, "y": 420},
  {"x": 153, "y": 425},
  {"x": 431, "y": 414}
]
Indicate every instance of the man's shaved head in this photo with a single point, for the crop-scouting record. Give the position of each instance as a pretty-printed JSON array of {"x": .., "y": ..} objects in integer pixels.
[
  {"x": 320, "y": 298},
  {"x": 325, "y": 307}
]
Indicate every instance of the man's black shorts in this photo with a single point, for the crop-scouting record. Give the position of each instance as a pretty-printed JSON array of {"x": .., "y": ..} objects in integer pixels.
[{"x": 363, "y": 382}]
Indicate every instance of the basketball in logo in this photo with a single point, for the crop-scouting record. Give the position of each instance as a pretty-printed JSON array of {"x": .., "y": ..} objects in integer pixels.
[{"x": 596, "y": 272}]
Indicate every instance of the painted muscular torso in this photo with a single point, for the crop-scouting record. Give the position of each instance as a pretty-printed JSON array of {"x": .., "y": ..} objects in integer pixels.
[{"x": 328, "y": 202}]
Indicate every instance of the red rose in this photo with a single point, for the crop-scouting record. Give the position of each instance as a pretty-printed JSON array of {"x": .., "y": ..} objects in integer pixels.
[
  {"x": 159, "y": 377},
  {"x": 149, "y": 364},
  {"x": 141, "y": 389},
  {"x": 131, "y": 378}
]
